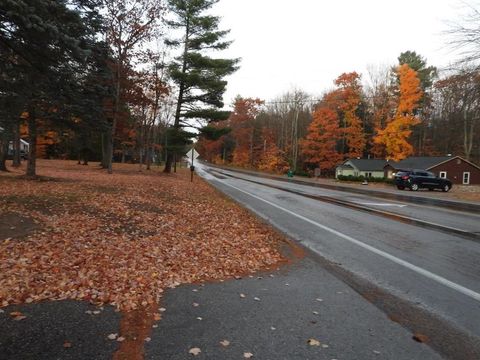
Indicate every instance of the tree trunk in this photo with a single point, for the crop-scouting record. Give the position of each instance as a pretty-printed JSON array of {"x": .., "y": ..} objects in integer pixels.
[
  {"x": 3, "y": 150},
  {"x": 104, "y": 163},
  {"x": 109, "y": 150},
  {"x": 168, "y": 163},
  {"x": 32, "y": 151},
  {"x": 16, "y": 144}
]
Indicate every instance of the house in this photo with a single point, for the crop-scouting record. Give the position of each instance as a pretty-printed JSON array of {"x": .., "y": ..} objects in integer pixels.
[
  {"x": 24, "y": 147},
  {"x": 361, "y": 167},
  {"x": 455, "y": 168}
]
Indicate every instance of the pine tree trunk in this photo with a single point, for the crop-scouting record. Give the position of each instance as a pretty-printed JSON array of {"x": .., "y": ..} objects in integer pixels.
[
  {"x": 168, "y": 163},
  {"x": 32, "y": 153},
  {"x": 103, "y": 164},
  {"x": 109, "y": 151},
  {"x": 3, "y": 151},
  {"x": 16, "y": 145}
]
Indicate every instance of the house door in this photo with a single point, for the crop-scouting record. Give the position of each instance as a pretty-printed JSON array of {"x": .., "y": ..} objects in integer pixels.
[{"x": 466, "y": 178}]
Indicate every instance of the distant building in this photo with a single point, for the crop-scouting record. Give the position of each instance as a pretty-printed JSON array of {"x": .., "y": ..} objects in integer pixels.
[
  {"x": 361, "y": 167},
  {"x": 455, "y": 168}
]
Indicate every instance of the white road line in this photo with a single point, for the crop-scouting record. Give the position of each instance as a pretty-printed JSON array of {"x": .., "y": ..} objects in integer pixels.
[
  {"x": 381, "y": 204},
  {"x": 441, "y": 280}
]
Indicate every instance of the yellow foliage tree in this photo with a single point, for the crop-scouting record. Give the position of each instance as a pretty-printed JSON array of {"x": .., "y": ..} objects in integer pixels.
[{"x": 396, "y": 133}]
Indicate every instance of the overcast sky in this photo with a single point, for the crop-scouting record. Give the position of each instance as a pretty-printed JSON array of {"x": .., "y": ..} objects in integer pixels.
[{"x": 307, "y": 43}]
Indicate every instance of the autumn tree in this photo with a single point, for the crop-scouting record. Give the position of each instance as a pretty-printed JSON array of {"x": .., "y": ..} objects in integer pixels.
[
  {"x": 272, "y": 158},
  {"x": 458, "y": 105},
  {"x": 244, "y": 130},
  {"x": 129, "y": 24},
  {"x": 319, "y": 148},
  {"x": 426, "y": 74},
  {"x": 199, "y": 77},
  {"x": 381, "y": 105},
  {"x": 395, "y": 136},
  {"x": 347, "y": 99}
]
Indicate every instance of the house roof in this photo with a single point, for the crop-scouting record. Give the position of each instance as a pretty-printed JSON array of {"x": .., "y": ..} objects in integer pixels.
[
  {"x": 421, "y": 162},
  {"x": 367, "y": 164},
  {"x": 345, "y": 167}
]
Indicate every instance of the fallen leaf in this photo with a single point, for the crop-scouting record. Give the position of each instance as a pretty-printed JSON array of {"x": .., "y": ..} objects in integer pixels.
[
  {"x": 199, "y": 318},
  {"x": 195, "y": 304},
  {"x": 157, "y": 317},
  {"x": 420, "y": 338},
  {"x": 67, "y": 344},
  {"x": 195, "y": 351},
  {"x": 162, "y": 309},
  {"x": 256, "y": 299},
  {"x": 313, "y": 342},
  {"x": 225, "y": 343},
  {"x": 112, "y": 336},
  {"x": 243, "y": 296},
  {"x": 148, "y": 339},
  {"x": 120, "y": 339},
  {"x": 247, "y": 355}
]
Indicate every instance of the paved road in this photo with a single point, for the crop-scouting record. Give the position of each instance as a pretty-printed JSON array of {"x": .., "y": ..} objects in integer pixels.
[{"x": 432, "y": 272}]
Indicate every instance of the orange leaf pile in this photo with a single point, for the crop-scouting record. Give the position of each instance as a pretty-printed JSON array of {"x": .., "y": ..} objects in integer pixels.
[{"x": 122, "y": 239}]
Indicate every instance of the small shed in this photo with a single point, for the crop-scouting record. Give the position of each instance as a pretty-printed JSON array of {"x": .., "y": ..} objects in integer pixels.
[
  {"x": 455, "y": 168},
  {"x": 369, "y": 168}
]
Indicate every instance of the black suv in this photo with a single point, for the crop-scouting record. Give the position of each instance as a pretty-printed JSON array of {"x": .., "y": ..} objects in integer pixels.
[{"x": 416, "y": 179}]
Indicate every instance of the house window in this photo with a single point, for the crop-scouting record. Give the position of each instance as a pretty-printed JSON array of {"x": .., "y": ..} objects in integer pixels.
[
  {"x": 466, "y": 178},
  {"x": 443, "y": 174},
  {"x": 368, "y": 174}
]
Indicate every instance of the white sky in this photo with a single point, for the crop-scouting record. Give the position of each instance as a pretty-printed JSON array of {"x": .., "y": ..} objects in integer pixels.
[{"x": 308, "y": 43}]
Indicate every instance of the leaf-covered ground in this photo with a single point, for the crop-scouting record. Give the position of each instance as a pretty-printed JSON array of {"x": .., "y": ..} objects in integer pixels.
[{"x": 120, "y": 239}]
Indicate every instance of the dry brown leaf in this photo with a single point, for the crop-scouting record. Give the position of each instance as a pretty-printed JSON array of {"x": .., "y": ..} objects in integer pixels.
[{"x": 67, "y": 344}]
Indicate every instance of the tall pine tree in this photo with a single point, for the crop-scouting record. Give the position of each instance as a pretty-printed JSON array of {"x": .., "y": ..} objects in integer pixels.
[{"x": 199, "y": 77}]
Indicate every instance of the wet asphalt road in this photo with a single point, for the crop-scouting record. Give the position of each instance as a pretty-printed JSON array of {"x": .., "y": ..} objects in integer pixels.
[{"x": 433, "y": 271}]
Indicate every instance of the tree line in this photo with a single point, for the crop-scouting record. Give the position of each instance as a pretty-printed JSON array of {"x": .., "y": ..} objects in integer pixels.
[
  {"x": 139, "y": 80},
  {"x": 407, "y": 109},
  {"x": 101, "y": 80}
]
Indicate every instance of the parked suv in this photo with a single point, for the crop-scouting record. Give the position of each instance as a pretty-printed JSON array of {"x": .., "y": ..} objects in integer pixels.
[{"x": 416, "y": 179}]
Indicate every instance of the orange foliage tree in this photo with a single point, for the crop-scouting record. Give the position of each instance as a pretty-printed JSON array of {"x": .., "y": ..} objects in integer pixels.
[
  {"x": 272, "y": 158},
  {"x": 348, "y": 99},
  {"x": 319, "y": 146},
  {"x": 396, "y": 133},
  {"x": 242, "y": 124}
]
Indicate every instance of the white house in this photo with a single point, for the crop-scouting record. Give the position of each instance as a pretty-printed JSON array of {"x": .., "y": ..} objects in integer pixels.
[{"x": 361, "y": 167}]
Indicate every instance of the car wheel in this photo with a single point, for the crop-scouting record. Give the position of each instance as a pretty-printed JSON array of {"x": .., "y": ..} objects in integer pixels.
[
  {"x": 414, "y": 187},
  {"x": 445, "y": 188},
  {"x": 400, "y": 187}
]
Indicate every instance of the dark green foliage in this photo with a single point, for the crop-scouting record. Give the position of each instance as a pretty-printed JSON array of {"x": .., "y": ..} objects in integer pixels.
[
  {"x": 426, "y": 74},
  {"x": 214, "y": 133},
  {"x": 49, "y": 50},
  {"x": 198, "y": 76}
]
